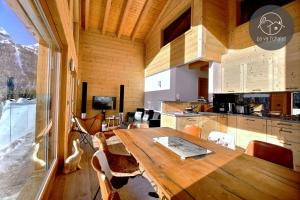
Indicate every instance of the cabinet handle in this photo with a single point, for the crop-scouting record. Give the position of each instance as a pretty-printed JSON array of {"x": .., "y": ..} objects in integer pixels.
[
  {"x": 286, "y": 143},
  {"x": 191, "y": 120},
  {"x": 286, "y": 131},
  {"x": 283, "y": 124},
  {"x": 252, "y": 120},
  {"x": 230, "y": 91},
  {"x": 256, "y": 90},
  {"x": 292, "y": 88}
]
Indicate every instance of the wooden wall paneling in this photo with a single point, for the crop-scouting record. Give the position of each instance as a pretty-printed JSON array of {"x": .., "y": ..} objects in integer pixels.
[
  {"x": 106, "y": 15},
  {"x": 87, "y": 14},
  {"x": 215, "y": 19},
  {"x": 239, "y": 36},
  {"x": 58, "y": 15},
  {"x": 157, "y": 58},
  {"x": 155, "y": 10},
  {"x": 106, "y": 62},
  {"x": 215, "y": 29},
  {"x": 157, "y": 20},
  {"x": 141, "y": 18},
  {"x": 181, "y": 50}
]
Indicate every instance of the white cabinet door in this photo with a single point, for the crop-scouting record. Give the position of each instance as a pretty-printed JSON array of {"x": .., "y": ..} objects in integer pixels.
[
  {"x": 232, "y": 77},
  {"x": 258, "y": 73},
  {"x": 292, "y": 63}
]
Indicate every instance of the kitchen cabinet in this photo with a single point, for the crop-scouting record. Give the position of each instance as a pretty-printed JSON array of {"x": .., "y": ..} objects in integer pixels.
[
  {"x": 232, "y": 73},
  {"x": 287, "y": 135},
  {"x": 292, "y": 63},
  {"x": 222, "y": 123},
  {"x": 248, "y": 129},
  {"x": 181, "y": 122},
  {"x": 168, "y": 121},
  {"x": 231, "y": 127},
  {"x": 208, "y": 124},
  {"x": 257, "y": 70}
]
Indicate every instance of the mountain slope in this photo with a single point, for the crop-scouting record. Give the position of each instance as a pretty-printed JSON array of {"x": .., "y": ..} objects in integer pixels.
[{"x": 17, "y": 61}]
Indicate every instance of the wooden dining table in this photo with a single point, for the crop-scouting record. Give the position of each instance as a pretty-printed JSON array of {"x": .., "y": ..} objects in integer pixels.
[{"x": 222, "y": 174}]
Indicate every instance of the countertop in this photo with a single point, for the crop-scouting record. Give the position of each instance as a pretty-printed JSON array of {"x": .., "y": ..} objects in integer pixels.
[{"x": 181, "y": 114}]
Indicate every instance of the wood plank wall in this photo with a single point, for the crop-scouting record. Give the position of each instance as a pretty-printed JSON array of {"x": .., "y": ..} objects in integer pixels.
[
  {"x": 106, "y": 62},
  {"x": 215, "y": 29},
  {"x": 239, "y": 36},
  {"x": 157, "y": 59},
  {"x": 60, "y": 19},
  {"x": 206, "y": 40}
]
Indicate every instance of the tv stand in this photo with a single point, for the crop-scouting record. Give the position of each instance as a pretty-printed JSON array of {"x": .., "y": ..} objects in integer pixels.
[{"x": 103, "y": 113}]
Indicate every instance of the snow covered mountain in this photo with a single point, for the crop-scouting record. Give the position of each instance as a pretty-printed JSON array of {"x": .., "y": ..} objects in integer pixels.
[{"x": 17, "y": 61}]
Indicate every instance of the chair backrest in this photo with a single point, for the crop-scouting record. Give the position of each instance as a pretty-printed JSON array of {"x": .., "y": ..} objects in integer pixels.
[
  {"x": 131, "y": 126},
  {"x": 138, "y": 116},
  {"x": 223, "y": 139},
  {"x": 107, "y": 191},
  {"x": 102, "y": 142},
  {"x": 192, "y": 130},
  {"x": 143, "y": 125},
  {"x": 80, "y": 124},
  {"x": 156, "y": 115},
  {"x": 271, "y": 152}
]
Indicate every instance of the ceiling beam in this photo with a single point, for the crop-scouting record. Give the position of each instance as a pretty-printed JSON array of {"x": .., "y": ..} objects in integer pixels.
[
  {"x": 76, "y": 10},
  {"x": 141, "y": 19},
  {"x": 198, "y": 65},
  {"x": 106, "y": 15},
  {"x": 86, "y": 14},
  {"x": 158, "y": 19},
  {"x": 123, "y": 18}
]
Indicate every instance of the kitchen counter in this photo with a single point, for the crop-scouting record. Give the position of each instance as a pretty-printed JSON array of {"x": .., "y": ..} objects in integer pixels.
[{"x": 182, "y": 114}]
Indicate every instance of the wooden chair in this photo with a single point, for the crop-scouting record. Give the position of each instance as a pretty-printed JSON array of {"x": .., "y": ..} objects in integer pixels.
[
  {"x": 223, "y": 139},
  {"x": 84, "y": 127},
  {"x": 270, "y": 152},
  {"x": 136, "y": 188},
  {"x": 120, "y": 165},
  {"x": 107, "y": 192},
  {"x": 131, "y": 126},
  {"x": 193, "y": 130},
  {"x": 134, "y": 126},
  {"x": 143, "y": 125}
]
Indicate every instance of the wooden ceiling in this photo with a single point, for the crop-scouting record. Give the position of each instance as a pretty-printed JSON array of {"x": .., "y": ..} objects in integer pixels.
[{"x": 122, "y": 18}]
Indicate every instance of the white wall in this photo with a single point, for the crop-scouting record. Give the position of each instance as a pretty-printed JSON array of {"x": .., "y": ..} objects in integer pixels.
[{"x": 183, "y": 83}]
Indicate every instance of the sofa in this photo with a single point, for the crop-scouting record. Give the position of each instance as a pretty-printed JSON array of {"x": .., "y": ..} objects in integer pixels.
[{"x": 141, "y": 116}]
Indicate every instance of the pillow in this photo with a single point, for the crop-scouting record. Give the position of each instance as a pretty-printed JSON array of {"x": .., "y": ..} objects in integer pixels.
[
  {"x": 138, "y": 116},
  {"x": 146, "y": 117}
]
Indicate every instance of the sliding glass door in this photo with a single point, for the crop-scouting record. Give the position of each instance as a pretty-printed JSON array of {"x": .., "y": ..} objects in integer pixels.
[{"x": 29, "y": 80}]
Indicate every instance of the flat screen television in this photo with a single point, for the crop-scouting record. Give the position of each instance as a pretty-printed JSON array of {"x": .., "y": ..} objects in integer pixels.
[{"x": 104, "y": 103}]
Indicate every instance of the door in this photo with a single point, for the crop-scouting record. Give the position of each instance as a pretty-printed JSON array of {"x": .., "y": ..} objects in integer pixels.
[{"x": 203, "y": 87}]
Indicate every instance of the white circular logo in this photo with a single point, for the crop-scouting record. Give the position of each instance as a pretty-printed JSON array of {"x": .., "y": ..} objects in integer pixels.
[
  {"x": 271, "y": 27},
  {"x": 270, "y": 23}
]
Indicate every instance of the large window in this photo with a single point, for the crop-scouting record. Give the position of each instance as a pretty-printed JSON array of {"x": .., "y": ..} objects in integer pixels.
[
  {"x": 29, "y": 68},
  {"x": 177, "y": 27},
  {"x": 248, "y": 7}
]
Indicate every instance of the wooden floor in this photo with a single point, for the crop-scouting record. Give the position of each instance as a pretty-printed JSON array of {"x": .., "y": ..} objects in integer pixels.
[{"x": 82, "y": 184}]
